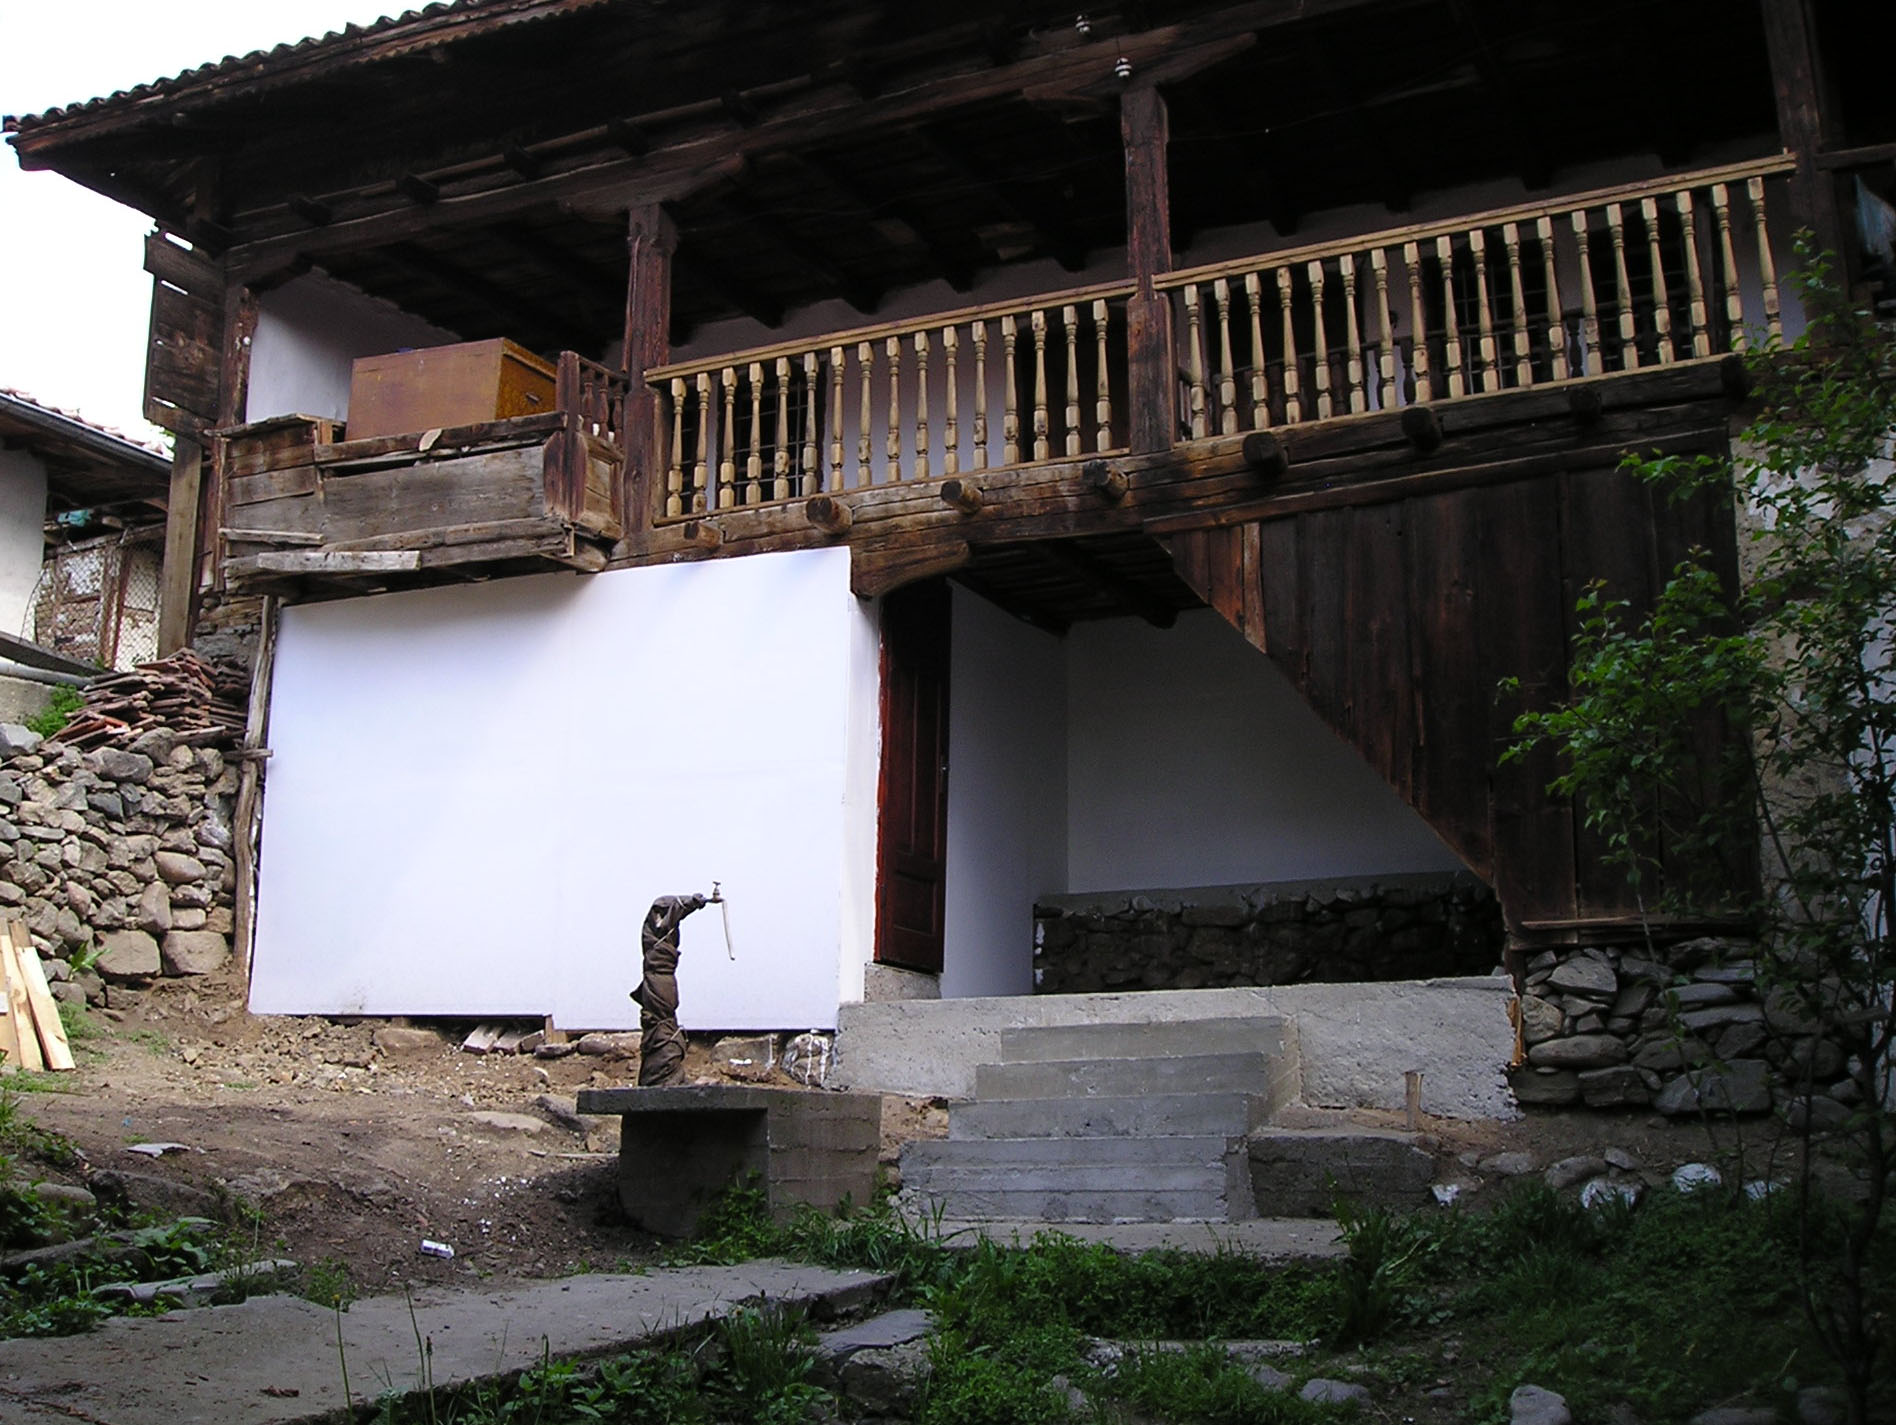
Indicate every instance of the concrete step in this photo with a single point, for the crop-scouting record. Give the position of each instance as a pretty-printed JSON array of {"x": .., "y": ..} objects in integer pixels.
[
  {"x": 1257, "y": 1073},
  {"x": 1248, "y": 1034},
  {"x": 1301, "y": 1171},
  {"x": 1231, "y": 1114},
  {"x": 1136, "y": 1204},
  {"x": 1074, "y": 1153}
]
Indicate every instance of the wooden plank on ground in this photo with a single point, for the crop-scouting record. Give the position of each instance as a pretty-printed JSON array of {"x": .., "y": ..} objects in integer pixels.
[
  {"x": 19, "y": 1011},
  {"x": 9, "y": 1033},
  {"x": 39, "y": 997}
]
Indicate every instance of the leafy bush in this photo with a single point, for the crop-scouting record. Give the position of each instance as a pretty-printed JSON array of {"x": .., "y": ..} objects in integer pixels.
[{"x": 65, "y": 703}]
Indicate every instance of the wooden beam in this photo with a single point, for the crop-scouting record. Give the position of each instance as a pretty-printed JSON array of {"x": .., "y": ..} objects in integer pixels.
[
  {"x": 1513, "y": 117},
  {"x": 328, "y": 561},
  {"x": 829, "y": 514},
  {"x": 650, "y": 241},
  {"x": 1089, "y": 569},
  {"x": 775, "y": 229},
  {"x": 1109, "y": 484},
  {"x": 873, "y": 573},
  {"x": 29, "y": 654},
  {"x": 963, "y": 495},
  {"x": 1804, "y": 123},
  {"x": 1144, "y": 131},
  {"x": 177, "y": 595},
  {"x": 1024, "y": 202},
  {"x": 887, "y": 207},
  {"x": 701, "y": 271}
]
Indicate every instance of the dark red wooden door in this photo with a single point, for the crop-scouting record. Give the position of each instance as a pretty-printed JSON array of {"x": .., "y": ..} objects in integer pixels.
[{"x": 912, "y": 849}]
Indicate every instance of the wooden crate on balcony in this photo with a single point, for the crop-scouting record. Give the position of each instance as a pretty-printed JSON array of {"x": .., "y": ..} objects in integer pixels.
[{"x": 436, "y": 387}]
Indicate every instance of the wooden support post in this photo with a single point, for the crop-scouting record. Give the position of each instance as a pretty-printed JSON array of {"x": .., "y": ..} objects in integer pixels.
[
  {"x": 177, "y": 597},
  {"x": 962, "y": 495},
  {"x": 1109, "y": 484},
  {"x": 650, "y": 242},
  {"x": 1143, "y": 128},
  {"x": 246, "y": 822},
  {"x": 1797, "y": 77},
  {"x": 829, "y": 514},
  {"x": 233, "y": 396}
]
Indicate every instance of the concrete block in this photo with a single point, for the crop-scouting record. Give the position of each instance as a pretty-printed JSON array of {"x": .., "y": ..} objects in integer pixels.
[
  {"x": 679, "y": 1148},
  {"x": 1298, "y": 1173},
  {"x": 1080, "y": 1205}
]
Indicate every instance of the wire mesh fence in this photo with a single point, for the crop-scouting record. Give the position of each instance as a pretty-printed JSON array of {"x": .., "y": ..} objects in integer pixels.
[{"x": 97, "y": 599}]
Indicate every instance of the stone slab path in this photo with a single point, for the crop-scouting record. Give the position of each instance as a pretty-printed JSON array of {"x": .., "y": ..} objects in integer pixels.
[{"x": 274, "y": 1359}]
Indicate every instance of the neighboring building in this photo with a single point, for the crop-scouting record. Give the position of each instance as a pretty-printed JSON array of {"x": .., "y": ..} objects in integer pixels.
[
  {"x": 1177, "y": 418},
  {"x": 82, "y": 512}
]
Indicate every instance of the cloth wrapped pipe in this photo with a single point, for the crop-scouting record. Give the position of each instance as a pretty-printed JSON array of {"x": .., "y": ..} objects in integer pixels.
[{"x": 661, "y": 1041}]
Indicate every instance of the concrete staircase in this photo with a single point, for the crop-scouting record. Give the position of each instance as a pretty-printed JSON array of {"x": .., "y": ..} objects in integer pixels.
[{"x": 1143, "y": 1122}]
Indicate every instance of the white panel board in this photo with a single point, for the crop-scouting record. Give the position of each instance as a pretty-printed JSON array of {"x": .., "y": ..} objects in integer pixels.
[{"x": 475, "y": 792}]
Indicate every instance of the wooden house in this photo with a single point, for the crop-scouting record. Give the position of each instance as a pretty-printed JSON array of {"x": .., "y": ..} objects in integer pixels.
[{"x": 1176, "y": 418}]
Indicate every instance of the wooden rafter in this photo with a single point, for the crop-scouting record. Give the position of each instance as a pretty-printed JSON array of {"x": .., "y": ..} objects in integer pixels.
[
  {"x": 1082, "y": 564},
  {"x": 1022, "y": 201},
  {"x": 887, "y": 207}
]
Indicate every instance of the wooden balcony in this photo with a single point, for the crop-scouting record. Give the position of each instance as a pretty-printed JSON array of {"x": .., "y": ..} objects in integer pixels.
[
  {"x": 1633, "y": 278},
  {"x": 301, "y": 506}
]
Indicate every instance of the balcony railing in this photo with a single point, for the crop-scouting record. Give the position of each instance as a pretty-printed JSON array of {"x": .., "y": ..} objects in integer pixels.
[
  {"x": 1000, "y": 385},
  {"x": 1642, "y": 275},
  {"x": 1620, "y": 279}
]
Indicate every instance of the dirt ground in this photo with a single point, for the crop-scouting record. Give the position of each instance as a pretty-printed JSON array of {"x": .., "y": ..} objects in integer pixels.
[{"x": 355, "y": 1153}]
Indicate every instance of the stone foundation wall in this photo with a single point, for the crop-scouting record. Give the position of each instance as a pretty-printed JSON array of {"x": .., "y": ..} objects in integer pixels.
[
  {"x": 1383, "y": 928},
  {"x": 1616, "y": 1027},
  {"x": 119, "y": 861},
  {"x": 228, "y": 626}
]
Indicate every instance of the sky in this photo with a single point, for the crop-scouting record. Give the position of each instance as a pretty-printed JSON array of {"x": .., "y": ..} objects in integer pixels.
[{"x": 74, "y": 296}]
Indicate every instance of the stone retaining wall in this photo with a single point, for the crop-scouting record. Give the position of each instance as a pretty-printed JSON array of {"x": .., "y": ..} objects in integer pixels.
[
  {"x": 1383, "y": 928},
  {"x": 1615, "y": 1027},
  {"x": 119, "y": 860}
]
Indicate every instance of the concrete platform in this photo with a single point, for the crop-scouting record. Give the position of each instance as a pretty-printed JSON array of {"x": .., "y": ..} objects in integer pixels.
[
  {"x": 680, "y": 1147},
  {"x": 274, "y": 1359},
  {"x": 1353, "y": 1042}
]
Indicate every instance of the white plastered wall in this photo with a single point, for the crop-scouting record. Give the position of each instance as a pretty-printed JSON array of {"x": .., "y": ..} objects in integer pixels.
[
  {"x": 476, "y": 791},
  {"x": 1006, "y": 796},
  {"x": 309, "y": 332},
  {"x": 1193, "y": 762},
  {"x": 22, "y": 536}
]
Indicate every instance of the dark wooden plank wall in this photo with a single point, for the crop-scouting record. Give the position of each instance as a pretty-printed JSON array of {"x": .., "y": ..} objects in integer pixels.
[{"x": 1398, "y": 621}]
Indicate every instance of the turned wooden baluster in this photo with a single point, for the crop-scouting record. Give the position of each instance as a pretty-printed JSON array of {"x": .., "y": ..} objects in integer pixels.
[
  {"x": 1628, "y": 327},
  {"x": 812, "y": 407},
  {"x": 979, "y": 332},
  {"x": 727, "y": 466},
  {"x": 1728, "y": 258},
  {"x": 1227, "y": 364},
  {"x": 1451, "y": 330},
  {"x": 1070, "y": 319},
  {"x": 1490, "y": 372},
  {"x": 1043, "y": 446},
  {"x": 1195, "y": 364},
  {"x": 836, "y": 418},
  {"x": 780, "y": 457},
  {"x": 1103, "y": 392},
  {"x": 1386, "y": 357},
  {"x": 1353, "y": 333},
  {"x": 1523, "y": 364},
  {"x": 1697, "y": 314},
  {"x": 1661, "y": 299},
  {"x": 1010, "y": 394},
  {"x": 1556, "y": 313},
  {"x": 1767, "y": 265},
  {"x": 865, "y": 442},
  {"x": 675, "y": 467},
  {"x": 753, "y": 488},
  {"x": 1260, "y": 383},
  {"x": 892, "y": 442},
  {"x": 1589, "y": 302},
  {"x": 1293, "y": 399},
  {"x": 951, "y": 407},
  {"x": 921, "y": 405},
  {"x": 1418, "y": 324},
  {"x": 1324, "y": 405},
  {"x": 701, "y": 473}
]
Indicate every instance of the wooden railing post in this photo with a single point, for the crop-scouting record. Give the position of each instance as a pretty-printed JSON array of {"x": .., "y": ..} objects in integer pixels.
[
  {"x": 1143, "y": 128},
  {"x": 650, "y": 241}
]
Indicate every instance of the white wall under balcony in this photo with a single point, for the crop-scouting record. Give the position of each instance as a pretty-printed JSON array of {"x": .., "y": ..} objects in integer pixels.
[
  {"x": 476, "y": 792},
  {"x": 22, "y": 536},
  {"x": 310, "y": 331}
]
